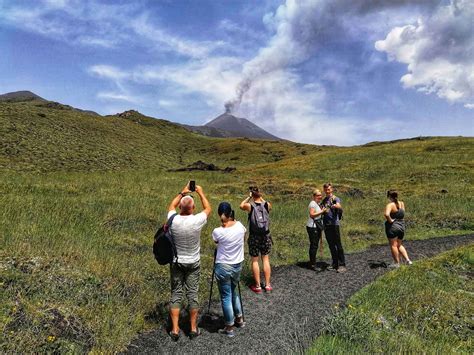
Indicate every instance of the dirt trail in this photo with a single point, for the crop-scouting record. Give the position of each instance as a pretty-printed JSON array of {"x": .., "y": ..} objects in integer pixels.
[{"x": 290, "y": 317}]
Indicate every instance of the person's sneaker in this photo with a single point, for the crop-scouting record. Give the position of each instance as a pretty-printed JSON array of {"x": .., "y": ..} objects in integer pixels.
[
  {"x": 256, "y": 289},
  {"x": 332, "y": 268},
  {"x": 341, "y": 269},
  {"x": 228, "y": 333},
  {"x": 394, "y": 266},
  {"x": 268, "y": 288},
  {"x": 409, "y": 262}
]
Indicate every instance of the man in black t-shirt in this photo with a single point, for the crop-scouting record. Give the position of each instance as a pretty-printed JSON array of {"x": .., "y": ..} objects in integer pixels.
[{"x": 331, "y": 220}]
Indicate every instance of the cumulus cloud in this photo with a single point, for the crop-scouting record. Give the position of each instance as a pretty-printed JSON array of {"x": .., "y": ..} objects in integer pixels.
[{"x": 439, "y": 52}]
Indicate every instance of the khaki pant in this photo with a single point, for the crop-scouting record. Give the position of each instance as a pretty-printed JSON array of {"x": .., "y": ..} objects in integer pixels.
[{"x": 185, "y": 279}]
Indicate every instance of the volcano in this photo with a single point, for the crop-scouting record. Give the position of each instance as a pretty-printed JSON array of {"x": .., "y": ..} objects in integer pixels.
[{"x": 228, "y": 125}]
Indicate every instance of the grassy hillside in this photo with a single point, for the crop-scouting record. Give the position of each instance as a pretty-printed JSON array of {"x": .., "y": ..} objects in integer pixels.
[
  {"x": 426, "y": 308},
  {"x": 81, "y": 196},
  {"x": 39, "y": 136}
]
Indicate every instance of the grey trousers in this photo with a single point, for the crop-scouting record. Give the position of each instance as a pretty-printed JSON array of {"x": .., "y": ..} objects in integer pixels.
[{"x": 185, "y": 279}]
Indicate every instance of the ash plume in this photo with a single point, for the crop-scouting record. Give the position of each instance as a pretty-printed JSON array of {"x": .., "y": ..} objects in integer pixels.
[{"x": 301, "y": 27}]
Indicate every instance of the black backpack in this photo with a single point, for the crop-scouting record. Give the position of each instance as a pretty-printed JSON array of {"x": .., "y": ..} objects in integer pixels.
[{"x": 163, "y": 246}]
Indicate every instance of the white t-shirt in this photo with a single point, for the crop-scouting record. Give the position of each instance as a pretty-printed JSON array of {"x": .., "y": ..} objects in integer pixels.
[
  {"x": 230, "y": 243},
  {"x": 310, "y": 222},
  {"x": 186, "y": 232}
]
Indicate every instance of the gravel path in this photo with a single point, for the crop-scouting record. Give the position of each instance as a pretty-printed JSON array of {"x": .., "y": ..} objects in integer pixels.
[{"x": 290, "y": 317}]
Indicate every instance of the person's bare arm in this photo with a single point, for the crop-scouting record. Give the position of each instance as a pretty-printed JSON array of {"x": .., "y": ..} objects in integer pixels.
[
  {"x": 388, "y": 209},
  {"x": 175, "y": 202},
  {"x": 245, "y": 204},
  {"x": 314, "y": 214},
  {"x": 205, "y": 203},
  {"x": 269, "y": 206}
]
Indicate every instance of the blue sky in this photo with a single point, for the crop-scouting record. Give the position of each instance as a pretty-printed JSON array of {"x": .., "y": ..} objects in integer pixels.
[{"x": 314, "y": 71}]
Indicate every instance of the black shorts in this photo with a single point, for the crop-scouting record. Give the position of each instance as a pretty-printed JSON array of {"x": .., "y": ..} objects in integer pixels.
[
  {"x": 259, "y": 244},
  {"x": 394, "y": 232}
]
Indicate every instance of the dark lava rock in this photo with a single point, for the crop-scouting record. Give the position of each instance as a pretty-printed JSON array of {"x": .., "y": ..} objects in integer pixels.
[{"x": 202, "y": 166}]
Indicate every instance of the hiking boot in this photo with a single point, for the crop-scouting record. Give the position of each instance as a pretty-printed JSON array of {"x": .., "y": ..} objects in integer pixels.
[
  {"x": 228, "y": 333},
  {"x": 256, "y": 289},
  {"x": 341, "y": 269}
]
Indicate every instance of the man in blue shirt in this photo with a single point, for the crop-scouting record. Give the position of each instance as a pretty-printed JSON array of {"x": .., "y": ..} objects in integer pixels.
[{"x": 332, "y": 231}]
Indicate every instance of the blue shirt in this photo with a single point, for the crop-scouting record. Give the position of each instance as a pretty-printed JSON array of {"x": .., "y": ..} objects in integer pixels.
[{"x": 331, "y": 217}]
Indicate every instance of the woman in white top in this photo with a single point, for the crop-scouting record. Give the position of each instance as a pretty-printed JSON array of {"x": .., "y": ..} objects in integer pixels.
[
  {"x": 314, "y": 226},
  {"x": 230, "y": 254}
]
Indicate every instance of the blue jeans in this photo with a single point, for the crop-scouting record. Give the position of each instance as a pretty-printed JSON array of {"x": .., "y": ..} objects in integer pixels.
[{"x": 228, "y": 277}]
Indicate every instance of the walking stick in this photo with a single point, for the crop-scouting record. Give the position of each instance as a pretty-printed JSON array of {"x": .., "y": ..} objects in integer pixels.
[
  {"x": 241, "y": 305},
  {"x": 212, "y": 281},
  {"x": 321, "y": 246}
]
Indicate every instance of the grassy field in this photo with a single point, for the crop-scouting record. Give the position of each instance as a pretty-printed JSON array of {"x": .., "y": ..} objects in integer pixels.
[
  {"x": 426, "y": 308},
  {"x": 81, "y": 196}
]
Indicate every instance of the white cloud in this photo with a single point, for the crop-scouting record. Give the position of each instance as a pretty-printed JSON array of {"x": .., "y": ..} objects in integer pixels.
[
  {"x": 439, "y": 51},
  {"x": 96, "y": 24},
  {"x": 117, "y": 96},
  {"x": 166, "y": 41},
  {"x": 214, "y": 78},
  {"x": 108, "y": 72}
]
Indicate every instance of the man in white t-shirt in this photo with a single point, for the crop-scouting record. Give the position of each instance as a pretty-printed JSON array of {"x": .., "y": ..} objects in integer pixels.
[{"x": 185, "y": 272}]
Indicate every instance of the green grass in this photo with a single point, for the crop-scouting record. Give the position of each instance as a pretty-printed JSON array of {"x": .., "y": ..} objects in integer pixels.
[
  {"x": 82, "y": 195},
  {"x": 426, "y": 308}
]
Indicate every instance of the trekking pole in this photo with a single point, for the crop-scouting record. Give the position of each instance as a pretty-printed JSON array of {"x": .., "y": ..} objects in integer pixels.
[
  {"x": 212, "y": 281},
  {"x": 241, "y": 305},
  {"x": 321, "y": 246}
]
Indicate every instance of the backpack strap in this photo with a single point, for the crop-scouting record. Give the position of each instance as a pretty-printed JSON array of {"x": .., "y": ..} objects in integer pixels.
[
  {"x": 265, "y": 205},
  {"x": 168, "y": 224},
  {"x": 170, "y": 220}
]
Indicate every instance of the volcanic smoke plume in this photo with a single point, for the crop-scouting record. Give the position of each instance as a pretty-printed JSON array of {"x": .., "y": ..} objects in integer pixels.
[{"x": 300, "y": 28}]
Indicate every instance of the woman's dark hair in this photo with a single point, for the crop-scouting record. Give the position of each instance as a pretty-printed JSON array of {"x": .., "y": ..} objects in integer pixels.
[
  {"x": 226, "y": 209},
  {"x": 255, "y": 191},
  {"x": 393, "y": 194}
]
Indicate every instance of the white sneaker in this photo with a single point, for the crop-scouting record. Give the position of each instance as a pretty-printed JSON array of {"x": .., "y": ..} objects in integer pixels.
[{"x": 409, "y": 262}]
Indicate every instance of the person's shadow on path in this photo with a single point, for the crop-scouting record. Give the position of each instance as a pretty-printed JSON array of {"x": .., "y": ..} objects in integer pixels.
[{"x": 320, "y": 265}]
